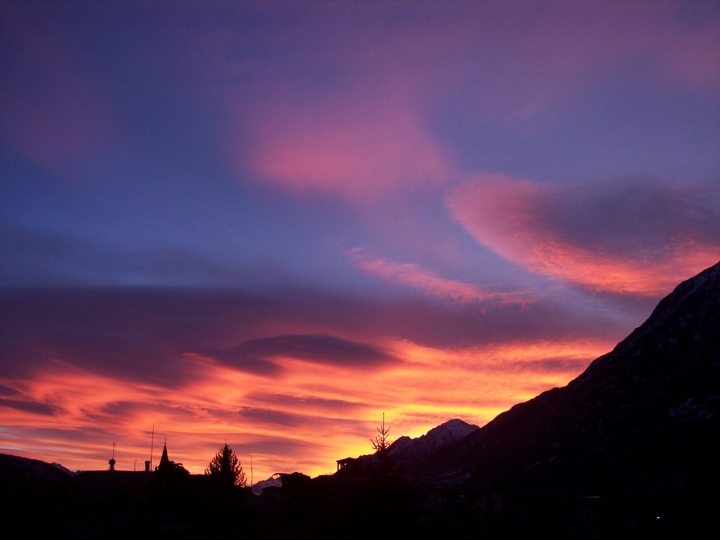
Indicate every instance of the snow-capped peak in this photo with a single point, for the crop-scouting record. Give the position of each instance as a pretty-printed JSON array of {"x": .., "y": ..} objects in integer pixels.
[{"x": 449, "y": 432}]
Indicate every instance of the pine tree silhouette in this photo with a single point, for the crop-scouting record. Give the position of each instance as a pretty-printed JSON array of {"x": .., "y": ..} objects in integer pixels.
[
  {"x": 226, "y": 467},
  {"x": 380, "y": 444}
]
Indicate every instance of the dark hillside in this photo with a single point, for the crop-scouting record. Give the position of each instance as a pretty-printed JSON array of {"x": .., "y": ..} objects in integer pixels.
[
  {"x": 640, "y": 420},
  {"x": 29, "y": 490}
]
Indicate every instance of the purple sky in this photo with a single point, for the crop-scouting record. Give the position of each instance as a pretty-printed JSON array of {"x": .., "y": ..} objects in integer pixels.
[{"x": 254, "y": 221}]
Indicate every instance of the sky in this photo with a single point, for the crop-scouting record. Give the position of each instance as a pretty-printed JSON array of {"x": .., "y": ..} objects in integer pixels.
[{"x": 270, "y": 223}]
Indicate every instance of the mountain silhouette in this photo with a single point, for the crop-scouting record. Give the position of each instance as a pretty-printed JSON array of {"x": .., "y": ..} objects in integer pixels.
[
  {"x": 642, "y": 419},
  {"x": 407, "y": 452}
]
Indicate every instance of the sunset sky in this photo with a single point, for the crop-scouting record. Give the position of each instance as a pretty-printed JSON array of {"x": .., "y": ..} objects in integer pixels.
[{"x": 271, "y": 223}]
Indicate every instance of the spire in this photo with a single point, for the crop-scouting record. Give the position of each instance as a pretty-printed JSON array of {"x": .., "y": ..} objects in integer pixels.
[
  {"x": 168, "y": 468},
  {"x": 164, "y": 460}
]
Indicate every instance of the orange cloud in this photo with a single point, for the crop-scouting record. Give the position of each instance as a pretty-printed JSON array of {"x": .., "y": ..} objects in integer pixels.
[
  {"x": 640, "y": 239},
  {"x": 310, "y": 418},
  {"x": 296, "y": 381}
]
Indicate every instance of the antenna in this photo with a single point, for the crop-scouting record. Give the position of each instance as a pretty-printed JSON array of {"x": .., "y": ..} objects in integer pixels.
[
  {"x": 134, "y": 463},
  {"x": 251, "y": 472},
  {"x": 152, "y": 442},
  {"x": 112, "y": 459}
]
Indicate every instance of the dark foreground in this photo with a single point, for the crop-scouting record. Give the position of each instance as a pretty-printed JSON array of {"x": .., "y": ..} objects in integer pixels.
[{"x": 44, "y": 502}]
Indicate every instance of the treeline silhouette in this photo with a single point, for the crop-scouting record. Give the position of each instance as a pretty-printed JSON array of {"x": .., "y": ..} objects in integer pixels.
[
  {"x": 352, "y": 503},
  {"x": 217, "y": 498},
  {"x": 170, "y": 502}
]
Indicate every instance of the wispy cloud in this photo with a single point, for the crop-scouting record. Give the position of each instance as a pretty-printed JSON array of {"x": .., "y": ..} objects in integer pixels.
[
  {"x": 410, "y": 275},
  {"x": 620, "y": 237},
  {"x": 307, "y": 403},
  {"x": 33, "y": 407},
  {"x": 409, "y": 356},
  {"x": 318, "y": 348},
  {"x": 358, "y": 152},
  {"x": 364, "y": 131}
]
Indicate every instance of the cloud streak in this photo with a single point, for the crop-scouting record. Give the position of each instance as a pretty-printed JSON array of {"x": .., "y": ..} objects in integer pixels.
[
  {"x": 410, "y": 275},
  {"x": 623, "y": 237},
  {"x": 318, "y": 348},
  {"x": 321, "y": 376},
  {"x": 32, "y": 407}
]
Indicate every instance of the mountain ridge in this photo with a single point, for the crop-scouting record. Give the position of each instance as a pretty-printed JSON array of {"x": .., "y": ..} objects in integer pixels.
[
  {"x": 643, "y": 417},
  {"x": 406, "y": 451},
  {"x": 445, "y": 433}
]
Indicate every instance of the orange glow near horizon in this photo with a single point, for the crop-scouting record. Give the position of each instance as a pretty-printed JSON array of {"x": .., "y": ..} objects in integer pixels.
[{"x": 319, "y": 415}]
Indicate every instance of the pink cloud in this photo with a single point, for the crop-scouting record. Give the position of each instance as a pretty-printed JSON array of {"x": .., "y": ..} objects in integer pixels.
[
  {"x": 360, "y": 151},
  {"x": 364, "y": 131},
  {"x": 411, "y": 275},
  {"x": 620, "y": 238}
]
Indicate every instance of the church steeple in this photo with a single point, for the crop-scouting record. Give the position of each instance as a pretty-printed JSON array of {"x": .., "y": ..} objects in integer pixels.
[
  {"x": 164, "y": 460},
  {"x": 169, "y": 469}
]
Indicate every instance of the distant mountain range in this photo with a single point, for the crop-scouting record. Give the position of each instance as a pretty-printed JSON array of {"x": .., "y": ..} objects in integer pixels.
[
  {"x": 34, "y": 470},
  {"x": 407, "y": 449},
  {"x": 408, "y": 452}
]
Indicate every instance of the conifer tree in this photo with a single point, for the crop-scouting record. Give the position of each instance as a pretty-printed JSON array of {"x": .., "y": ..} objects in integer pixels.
[
  {"x": 385, "y": 465},
  {"x": 226, "y": 467},
  {"x": 380, "y": 444}
]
